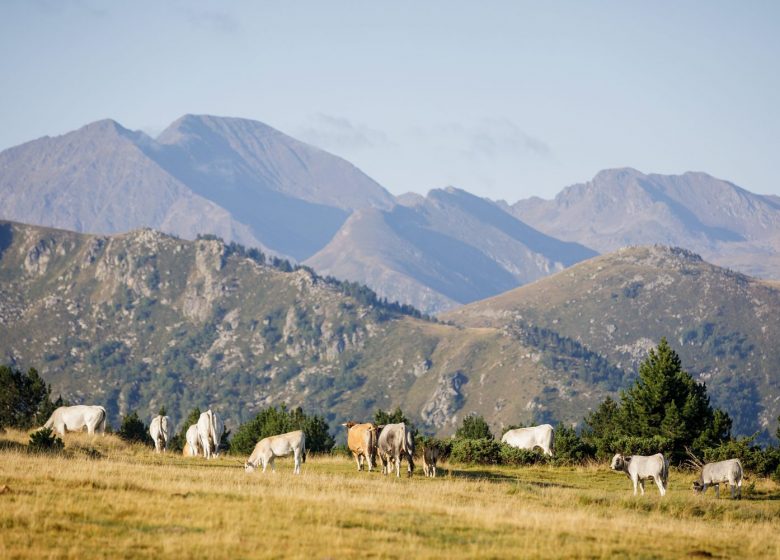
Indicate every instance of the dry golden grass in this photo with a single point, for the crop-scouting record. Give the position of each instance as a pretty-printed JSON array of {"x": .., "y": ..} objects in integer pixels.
[{"x": 131, "y": 503}]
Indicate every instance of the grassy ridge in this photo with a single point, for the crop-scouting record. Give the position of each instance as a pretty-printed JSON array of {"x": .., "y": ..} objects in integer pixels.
[{"x": 131, "y": 503}]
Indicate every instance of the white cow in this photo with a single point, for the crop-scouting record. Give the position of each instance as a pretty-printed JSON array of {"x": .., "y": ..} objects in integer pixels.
[
  {"x": 76, "y": 418},
  {"x": 639, "y": 468},
  {"x": 278, "y": 446},
  {"x": 723, "y": 471},
  {"x": 210, "y": 430},
  {"x": 396, "y": 443},
  {"x": 192, "y": 448},
  {"x": 528, "y": 438},
  {"x": 159, "y": 432}
]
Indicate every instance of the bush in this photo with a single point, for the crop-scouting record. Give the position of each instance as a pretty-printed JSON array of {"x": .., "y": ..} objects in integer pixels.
[
  {"x": 634, "y": 445},
  {"x": 520, "y": 457},
  {"x": 571, "y": 449},
  {"x": 134, "y": 430},
  {"x": 274, "y": 421},
  {"x": 474, "y": 426},
  {"x": 476, "y": 451},
  {"x": 45, "y": 441}
]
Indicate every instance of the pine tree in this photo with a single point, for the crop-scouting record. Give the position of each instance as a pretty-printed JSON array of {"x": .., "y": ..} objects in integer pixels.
[{"x": 665, "y": 404}]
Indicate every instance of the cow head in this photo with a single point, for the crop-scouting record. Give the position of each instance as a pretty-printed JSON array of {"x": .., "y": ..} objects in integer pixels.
[
  {"x": 249, "y": 467},
  {"x": 348, "y": 425},
  {"x": 698, "y": 486},
  {"x": 619, "y": 462}
]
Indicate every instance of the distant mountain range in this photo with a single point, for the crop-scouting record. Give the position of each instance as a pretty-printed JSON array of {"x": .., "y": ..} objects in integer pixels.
[{"x": 247, "y": 182}]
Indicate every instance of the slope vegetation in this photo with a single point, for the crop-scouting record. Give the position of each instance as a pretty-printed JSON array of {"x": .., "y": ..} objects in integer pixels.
[
  {"x": 724, "y": 324},
  {"x": 142, "y": 319}
]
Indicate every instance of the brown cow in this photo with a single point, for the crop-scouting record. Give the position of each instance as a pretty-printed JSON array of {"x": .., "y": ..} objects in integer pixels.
[{"x": 361, "y": 440}]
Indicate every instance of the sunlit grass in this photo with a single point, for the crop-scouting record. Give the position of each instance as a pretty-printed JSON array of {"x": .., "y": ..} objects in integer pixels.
[{"x": 131, "y": 503}]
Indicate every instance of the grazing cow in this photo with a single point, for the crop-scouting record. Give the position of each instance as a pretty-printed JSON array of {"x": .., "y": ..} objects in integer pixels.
[
  {"x": 396, "y": 443},
  {"x": 528, "y": 438},
  {"x": 210, "y": 430},
  {"x": 76, "y": 418},
  {"x": 192, "y": 448},
  {"x": 267, "y": 449},
  {"x": 431, "y": 453},
  {"x": 729, "y": 471},
  {"x": 639, "y": 468},
  {"x": 361, "y": 440},
  {"x": 159, "y": 432}
]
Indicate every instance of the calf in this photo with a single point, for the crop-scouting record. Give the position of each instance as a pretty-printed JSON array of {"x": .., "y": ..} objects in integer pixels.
[
  {"x": 729, "y": 471},
  {"x": 639, "y": 468},
  {"x": 431, "y": 453}
]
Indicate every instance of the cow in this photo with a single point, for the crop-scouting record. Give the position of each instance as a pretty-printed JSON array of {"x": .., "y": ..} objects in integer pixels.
[
  {"x": 431, "y": 453},
  {"x": 729, "y": 471},
  {"x": 158, "y": 429},
  {"x": 542, "y": 436},
  {"x": 76, "y": 418},
  {"x": 361, "y": 440},
  {"x": 396, "y": 443},
  {"x": 639, "y": 468},
  {"x": 192, "y": 447},
  {"x": 210, "y": 430},
  {"x": 267, "y": 449}
]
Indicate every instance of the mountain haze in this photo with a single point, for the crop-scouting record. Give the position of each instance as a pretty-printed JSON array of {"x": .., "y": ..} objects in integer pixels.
[
  {"x": 726, "y": 224},
  {"x": 448, "y": 248}
]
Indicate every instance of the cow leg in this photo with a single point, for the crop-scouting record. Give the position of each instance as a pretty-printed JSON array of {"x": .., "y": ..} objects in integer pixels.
[
  {"x": 636, "y": 482},
  {"x": 642, "y": 486},
  {"x": 297, "y": 456},
  {"x": 660, "y": 485},
  {"x": 357, "y": 460},
  {"x": 398, "y": 467},
  {"x": 717, "y": 490},
  {"x": 739, "y": 490},
  {"x": 410, "y": 464}
]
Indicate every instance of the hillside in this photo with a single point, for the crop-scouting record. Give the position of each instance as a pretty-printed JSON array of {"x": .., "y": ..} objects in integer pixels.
[
  {"x": 725, "y": 325},
  {"x": 443, "y": 250},
  {"x": 724, "y": 223},
  {"x": 142, "y": 319}
]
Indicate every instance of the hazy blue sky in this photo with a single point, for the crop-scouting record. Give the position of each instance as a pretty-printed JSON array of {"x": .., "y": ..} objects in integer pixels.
[{"x": 505, "y": 99}]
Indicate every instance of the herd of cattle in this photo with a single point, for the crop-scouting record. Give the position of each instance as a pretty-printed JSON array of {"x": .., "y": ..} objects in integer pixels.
[{"x": 392, "y": 443}]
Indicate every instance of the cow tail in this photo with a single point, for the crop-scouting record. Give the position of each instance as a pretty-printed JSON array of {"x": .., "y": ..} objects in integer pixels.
[
  {"x": 665, "y": 474},
  {"x": 303, "y": 448},
  {"x": 102, "y": 422}
]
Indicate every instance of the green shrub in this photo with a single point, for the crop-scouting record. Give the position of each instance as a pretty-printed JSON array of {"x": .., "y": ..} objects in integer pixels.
[
  {"x": 571, "y": 449},
  {"x": 634, "y": 445},
  {"x": 476, "y": 451},
  {"x": 474, "y": 426},
  {"x": 134, "y": 430},
  {"x": 45, "y": 441},
  {"x": 520, "y": 457},
  {"x": 274, "y": 421}
]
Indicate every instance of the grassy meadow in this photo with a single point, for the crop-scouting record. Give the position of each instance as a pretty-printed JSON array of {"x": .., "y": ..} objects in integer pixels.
[{"x": 105, "y": 498}]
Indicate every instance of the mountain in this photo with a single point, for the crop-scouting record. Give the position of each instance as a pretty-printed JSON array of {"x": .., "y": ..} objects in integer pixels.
[
  {"x": 443, "y": 250},
  {"x": 141, "y": 319},
  {"x": 726, "y": 224},
  {"x": 723, "y": 324},
  {"x": 236, "y": 178}
]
